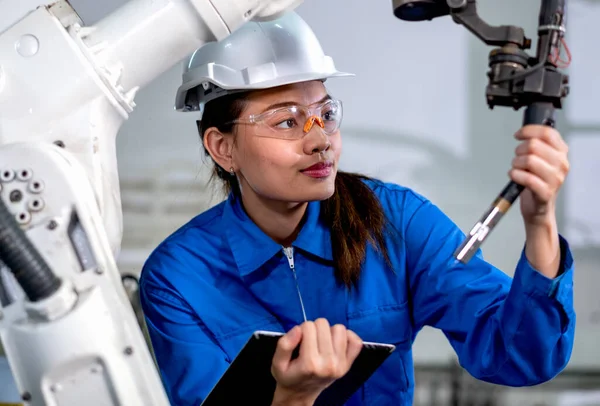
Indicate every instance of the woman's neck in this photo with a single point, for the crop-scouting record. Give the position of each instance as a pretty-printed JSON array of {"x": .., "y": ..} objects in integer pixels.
[{"x": 279, "y": 220}]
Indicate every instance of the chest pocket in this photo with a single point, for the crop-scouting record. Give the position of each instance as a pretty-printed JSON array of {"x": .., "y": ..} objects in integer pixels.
[{"x": 388, "y": 325}]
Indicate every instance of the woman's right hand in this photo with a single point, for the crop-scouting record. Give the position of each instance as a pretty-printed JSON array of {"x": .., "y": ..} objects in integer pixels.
[{"x": 326, "y": 354}]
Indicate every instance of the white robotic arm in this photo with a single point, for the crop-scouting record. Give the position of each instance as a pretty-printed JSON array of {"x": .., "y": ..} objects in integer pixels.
[{"x": 65, "y": 91}]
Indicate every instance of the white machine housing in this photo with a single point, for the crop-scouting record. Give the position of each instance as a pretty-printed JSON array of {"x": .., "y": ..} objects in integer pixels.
[{"x": 65, "y": 91}]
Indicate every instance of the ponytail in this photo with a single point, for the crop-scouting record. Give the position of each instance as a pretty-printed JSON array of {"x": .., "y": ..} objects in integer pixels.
[{"x": 355, "y": 218}]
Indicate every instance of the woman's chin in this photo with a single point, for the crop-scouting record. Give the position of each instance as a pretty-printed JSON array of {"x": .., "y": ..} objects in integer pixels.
[{"x": 321, "y": 191}]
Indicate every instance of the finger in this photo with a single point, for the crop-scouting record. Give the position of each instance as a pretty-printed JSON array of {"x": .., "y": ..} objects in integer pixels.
[
  {"x": 550, "y": 154},
  {"x": 540, "y": 168},
  {"x": 285, "y": 348},
  {"x": 339, "y": 339},
  {"x": 355, "y": 345},
  {"x": 543, "y": 132},
  {"x": 528, "y": 180},
  {"x": 309, "y": 348},
  {"x": 324, "y": 342}
]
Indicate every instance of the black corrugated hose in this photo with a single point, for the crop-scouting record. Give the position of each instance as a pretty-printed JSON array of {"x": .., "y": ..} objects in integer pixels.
[
  {"x": 20, "y": 256},
  {"x": 4, "y": 299}
]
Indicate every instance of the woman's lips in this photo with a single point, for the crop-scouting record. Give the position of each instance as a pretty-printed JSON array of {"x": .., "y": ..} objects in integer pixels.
[{"x": 319, "y": 170}]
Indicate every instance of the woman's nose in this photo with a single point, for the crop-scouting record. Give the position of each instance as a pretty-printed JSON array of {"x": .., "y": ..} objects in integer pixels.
[{"x": 316, "y": 142}]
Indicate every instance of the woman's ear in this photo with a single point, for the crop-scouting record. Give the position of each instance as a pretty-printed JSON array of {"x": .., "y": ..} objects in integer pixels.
[{"x": 219, "y": 146}]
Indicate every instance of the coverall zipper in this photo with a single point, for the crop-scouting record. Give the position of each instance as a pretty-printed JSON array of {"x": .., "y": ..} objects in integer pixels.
[{"x": 289, "y": 253}]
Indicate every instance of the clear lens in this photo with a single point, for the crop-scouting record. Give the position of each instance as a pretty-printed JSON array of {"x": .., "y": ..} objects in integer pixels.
[
  {"x": 288, "y": 122},
  {"x": 285, "y": 119},
  {"x": 331, "y": 113}
]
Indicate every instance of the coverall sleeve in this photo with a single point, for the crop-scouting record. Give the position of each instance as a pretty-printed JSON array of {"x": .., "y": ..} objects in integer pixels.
[
  {"x": 511, "y": 331},
  {"x": 190, "y": 362}
]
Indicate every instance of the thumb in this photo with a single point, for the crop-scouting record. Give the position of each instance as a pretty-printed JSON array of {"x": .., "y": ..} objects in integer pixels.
[
  {"x": 285, "y": 348},
  {"x": 355, "y": 345}
]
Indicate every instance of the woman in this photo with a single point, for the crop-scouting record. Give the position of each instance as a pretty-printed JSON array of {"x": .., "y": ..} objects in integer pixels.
[{"x": 333, "y": 258}]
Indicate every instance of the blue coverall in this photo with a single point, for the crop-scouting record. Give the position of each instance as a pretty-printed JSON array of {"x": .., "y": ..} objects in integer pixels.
[{"x": 219, "y": 278}]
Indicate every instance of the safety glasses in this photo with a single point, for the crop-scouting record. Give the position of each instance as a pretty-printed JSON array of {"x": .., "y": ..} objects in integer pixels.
[{"x": 293, "y": 122}]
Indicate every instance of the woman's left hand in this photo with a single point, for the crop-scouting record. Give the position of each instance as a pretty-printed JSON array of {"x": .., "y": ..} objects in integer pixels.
[{"x": 541, "y": 165}]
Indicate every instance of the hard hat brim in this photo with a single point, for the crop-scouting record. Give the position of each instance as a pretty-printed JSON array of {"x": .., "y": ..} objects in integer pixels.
[{"x": 180, "y": 102}]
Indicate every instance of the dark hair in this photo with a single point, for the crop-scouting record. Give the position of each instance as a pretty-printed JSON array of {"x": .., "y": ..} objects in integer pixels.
[{"x": 353, "y": 214}]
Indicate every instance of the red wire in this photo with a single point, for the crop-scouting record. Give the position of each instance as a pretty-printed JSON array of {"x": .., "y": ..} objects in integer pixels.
[{"x": 556, "y": 58}]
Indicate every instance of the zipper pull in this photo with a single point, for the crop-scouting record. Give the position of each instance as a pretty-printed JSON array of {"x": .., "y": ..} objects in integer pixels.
[{"x": 289, "y": 253}]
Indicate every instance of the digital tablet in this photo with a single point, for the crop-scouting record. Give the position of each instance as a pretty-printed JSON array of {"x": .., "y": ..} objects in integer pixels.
[{"x": 249, "y": 375}]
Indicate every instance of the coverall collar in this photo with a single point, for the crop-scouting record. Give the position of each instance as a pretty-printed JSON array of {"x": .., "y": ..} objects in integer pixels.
[{"x": 251, "y": 247}]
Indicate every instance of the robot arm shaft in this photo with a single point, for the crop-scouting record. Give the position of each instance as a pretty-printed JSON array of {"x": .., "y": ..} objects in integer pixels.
[{"x": 143, "y": 39}]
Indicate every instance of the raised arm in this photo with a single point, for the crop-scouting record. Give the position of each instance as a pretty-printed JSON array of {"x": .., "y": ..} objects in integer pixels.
[{"x": 507, "y": 331}]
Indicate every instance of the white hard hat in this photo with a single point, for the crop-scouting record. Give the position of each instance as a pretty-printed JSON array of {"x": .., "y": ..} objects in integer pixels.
[{"x": 259, "y": 55}]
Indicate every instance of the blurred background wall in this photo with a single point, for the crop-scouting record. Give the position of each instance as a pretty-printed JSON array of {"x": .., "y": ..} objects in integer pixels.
[{"x": 415, "y": 114}]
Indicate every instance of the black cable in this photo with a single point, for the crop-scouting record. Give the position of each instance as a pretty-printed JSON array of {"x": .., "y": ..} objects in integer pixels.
[{"x": 20, "y": 256}]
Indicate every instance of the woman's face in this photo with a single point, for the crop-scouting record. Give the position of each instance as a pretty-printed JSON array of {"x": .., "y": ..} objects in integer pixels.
[{"x": 288, "y": 169}]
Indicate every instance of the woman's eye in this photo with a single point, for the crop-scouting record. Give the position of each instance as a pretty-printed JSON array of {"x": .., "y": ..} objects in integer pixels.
[
  {"x": 287, "y": 124},
  {"x": 330, "y": 115}
]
